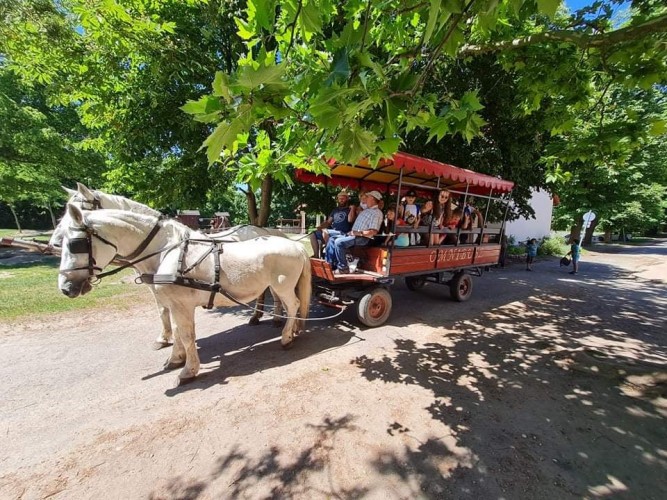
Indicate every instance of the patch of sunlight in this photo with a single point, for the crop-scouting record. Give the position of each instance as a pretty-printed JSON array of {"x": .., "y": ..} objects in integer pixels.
[
  {"x": 468, "y": 381},
  {"x": 478, "y": 361},
  {"x": 613, "y": 486},
  {"x": 636, "y": 411},
  {"x": 582, "y": 454},
  {"x": 619, "y": 430},
  {"x": 582, "y": 392}
]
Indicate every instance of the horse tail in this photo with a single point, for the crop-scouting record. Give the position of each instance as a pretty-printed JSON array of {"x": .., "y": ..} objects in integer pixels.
[{"x": 304, "y": 288}]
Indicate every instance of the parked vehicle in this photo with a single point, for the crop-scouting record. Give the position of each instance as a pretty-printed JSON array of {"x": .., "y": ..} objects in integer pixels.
[{"x": 471, "y": 251}]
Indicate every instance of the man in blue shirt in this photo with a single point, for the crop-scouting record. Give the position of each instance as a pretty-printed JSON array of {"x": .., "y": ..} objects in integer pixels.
[
  {"x": 366, "y": 226},
  {"x": 340, "y": 221}
]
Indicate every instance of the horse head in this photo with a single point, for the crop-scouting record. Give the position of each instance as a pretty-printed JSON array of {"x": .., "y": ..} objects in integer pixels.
[
  {"x": 88, "y": 199},
  {"x": 85, "y": 252}
]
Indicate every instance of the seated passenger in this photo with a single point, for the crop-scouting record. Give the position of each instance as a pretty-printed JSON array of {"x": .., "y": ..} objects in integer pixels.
[
  {"x": 451, "y": 223},
  {"x": 340, "y": 219},
  {"x": 364, "y": 229},
  {"x": 426, "y": 220},
  {"x": 472, "y": 219},
  {"x": 409, "y": 212},
  {"x": 400, "y": 239}
]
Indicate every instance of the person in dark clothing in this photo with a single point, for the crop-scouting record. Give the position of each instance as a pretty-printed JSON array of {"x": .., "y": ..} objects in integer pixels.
[{"x": 340, "y": 220}]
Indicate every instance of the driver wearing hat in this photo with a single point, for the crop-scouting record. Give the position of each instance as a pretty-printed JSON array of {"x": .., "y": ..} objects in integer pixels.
[
  {"x": 366, "y": 226},
  {"x": 339, "y": 220}
]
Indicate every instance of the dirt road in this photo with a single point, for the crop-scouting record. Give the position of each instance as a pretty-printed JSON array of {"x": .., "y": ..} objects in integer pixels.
[{"x": 542, "y": 386}]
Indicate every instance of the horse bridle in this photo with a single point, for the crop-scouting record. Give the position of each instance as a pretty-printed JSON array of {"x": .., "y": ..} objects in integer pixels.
[{"x": 85, "y": 245}]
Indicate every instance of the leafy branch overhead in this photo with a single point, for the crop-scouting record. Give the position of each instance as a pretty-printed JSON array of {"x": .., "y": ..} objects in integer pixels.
[{"x": 350, "y": 79}]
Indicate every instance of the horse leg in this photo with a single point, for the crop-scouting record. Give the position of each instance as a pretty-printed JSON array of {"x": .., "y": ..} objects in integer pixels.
[
  {"x": 165, "y": 337},
  {"x": 184, "y": 320},
  {"x": 277, "y": 310},
  {"x": 259, "y": 310},
  {"x": 177, "y": 357},
  {"x": 291, "y": 305}
]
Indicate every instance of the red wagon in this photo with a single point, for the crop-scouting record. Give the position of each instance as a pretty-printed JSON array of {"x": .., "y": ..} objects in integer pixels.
[{"x": 468, "y": 253}]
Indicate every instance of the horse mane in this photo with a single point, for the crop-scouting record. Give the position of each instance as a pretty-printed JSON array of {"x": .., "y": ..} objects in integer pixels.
[{"x": 113, "y": 201}]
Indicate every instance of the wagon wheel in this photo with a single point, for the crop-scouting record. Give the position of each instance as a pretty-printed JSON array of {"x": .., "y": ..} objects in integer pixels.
[
  {"x": 374, "y": 307},
  {"x": 415, "y": 282},
  {"x": 460, "y": 287}
]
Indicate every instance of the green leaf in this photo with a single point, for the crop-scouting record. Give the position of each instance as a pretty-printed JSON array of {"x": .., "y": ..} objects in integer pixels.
[
  {"x": 658, "y": 127},
  {"x": 357, "y": 143},
  {"x": 366, "y": 60},
  {"x": 206, "y": 105},
  {"x": 221, "y": 86},
  {"x": 326, "y": 116},
  {"x": 251, "y": 78},
  {"x": 389, "y": 146},
  {"x": 223, "y": 137},
  {"x": 262, "y": 10},
  {"x": 340, "y": 68},
  {"x": 548, "y": 7},
  {"x": 432, "y": 18},
  {"x": 471, "y": 101},
  {"x": 310, "y": 18},
  {"x": 244, "y": 30}
]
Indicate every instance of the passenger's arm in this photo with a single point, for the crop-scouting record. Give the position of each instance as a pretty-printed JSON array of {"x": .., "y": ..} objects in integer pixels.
[
  {"x": 325, "y": 224},
  {"x": 352, "y": 214}
]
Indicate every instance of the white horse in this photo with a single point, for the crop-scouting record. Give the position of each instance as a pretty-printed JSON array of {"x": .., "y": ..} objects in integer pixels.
[
  {"x": 93, "y": 239},
  {"x": 88, "y": 199}
]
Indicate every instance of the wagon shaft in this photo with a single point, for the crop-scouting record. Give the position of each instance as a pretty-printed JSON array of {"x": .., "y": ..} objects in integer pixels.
[{"x": 33, "y": 246}]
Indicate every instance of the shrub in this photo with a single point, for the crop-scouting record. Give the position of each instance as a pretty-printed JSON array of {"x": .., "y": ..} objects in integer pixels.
[{"x": 554, "y": 245}]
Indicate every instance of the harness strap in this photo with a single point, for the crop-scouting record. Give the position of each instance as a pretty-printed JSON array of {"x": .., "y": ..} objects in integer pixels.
[{"x": 146, "y": 242}]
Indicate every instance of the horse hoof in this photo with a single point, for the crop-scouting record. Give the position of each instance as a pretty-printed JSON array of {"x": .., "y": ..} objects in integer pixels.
[
  {"x": 172, "y": 365},
  {"x": 288, "y": 346},
  {"x": 160, "y": 345},
  {"x": 183, "y": 381},
  {"x": 254, "y": 321}
]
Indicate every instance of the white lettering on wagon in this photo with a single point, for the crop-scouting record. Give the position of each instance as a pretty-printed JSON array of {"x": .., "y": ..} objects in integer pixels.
[{"x": 451, "y": 255}]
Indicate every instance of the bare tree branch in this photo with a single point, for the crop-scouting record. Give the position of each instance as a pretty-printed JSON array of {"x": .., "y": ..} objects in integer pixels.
[{"x": 583, "y": 40}]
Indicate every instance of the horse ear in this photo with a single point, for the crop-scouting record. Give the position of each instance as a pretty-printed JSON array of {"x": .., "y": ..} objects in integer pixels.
[
  {"x": 75, "y": 213},
  {"x": 85, "y": 192},
  {"x": 69, "y": 191}
]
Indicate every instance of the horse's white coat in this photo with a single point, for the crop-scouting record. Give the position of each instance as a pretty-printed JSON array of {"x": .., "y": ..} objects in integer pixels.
[
  {"x": 83, "y": 198},
  {"x": 247, "y": 269}
]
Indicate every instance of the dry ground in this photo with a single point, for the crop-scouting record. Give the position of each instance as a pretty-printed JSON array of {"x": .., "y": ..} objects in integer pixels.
[{"x": 542, "y": 386}]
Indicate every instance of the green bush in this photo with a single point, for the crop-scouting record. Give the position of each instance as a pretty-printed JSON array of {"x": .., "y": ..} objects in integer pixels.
[{"x": 554, "y": 245}]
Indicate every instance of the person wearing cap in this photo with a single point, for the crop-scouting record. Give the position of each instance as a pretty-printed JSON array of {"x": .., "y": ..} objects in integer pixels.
[
  {"x": 340, "y": 221},
  {"x": 365, "y": 227}
]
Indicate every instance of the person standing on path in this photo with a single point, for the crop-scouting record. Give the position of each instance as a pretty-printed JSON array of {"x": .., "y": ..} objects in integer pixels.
[
  {"x": 575, "y": 251},
  {"x": 531, "y": 253}
]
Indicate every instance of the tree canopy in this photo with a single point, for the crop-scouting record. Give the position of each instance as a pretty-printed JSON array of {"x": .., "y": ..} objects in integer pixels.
[{"x": 519, "y": 88}]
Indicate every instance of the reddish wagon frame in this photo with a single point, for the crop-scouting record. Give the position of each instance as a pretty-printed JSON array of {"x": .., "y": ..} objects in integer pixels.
[{"x": 379, "y": 266}]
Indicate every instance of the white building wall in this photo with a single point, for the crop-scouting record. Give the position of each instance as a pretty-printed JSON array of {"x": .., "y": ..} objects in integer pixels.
[{"x": 539, "y": 227}]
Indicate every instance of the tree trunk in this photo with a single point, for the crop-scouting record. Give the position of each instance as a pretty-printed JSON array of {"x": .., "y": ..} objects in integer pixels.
[
  {"x": 265, "y": 207},
  {"x": 252, "y": 206},
  {"x": 16, "y": 218},
  {"x": 588, "y": 235},
  {"x": 607, "y": 236},
  {"x": 54, "y": 222}
]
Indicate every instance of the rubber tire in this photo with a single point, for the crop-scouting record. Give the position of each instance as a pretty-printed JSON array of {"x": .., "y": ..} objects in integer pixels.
[
  {"x": 374, "y": 307},
  {"x": 415, "y": 282},
  {"x": 460, "y": 287}
]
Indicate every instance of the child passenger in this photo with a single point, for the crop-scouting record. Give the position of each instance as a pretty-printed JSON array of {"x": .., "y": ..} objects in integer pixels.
[{"x": 400, "y": 239}]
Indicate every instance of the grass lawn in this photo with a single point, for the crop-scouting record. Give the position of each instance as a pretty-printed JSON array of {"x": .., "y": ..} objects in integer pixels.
[{"x": 29, "y": 289}]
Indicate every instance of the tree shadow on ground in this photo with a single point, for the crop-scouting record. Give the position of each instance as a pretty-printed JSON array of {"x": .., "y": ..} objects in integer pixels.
[
  {"x": 271, "y": 474},
  {"x": 539, "y": 394},
  {"x": 244, "y": 350}
]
